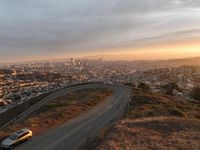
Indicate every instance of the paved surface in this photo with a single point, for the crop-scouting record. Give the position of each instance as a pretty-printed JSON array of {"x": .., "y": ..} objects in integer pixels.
[{"x": 73, "y": 134}]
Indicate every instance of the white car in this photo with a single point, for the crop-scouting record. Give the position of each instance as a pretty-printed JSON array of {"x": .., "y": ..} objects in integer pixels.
[{"x": 16, "y": 139}]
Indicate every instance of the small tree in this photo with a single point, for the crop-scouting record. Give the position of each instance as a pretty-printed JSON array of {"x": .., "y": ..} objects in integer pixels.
[
  {"x": 170, "y": 87},
  {"x": 196, "y": 93}
]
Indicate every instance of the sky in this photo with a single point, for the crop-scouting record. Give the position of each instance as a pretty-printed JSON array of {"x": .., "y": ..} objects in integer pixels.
[{"x": 49, "y": 29}]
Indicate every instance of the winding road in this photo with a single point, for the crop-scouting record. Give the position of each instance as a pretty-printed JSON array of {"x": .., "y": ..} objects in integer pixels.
[{"x": 73, "y": 134}]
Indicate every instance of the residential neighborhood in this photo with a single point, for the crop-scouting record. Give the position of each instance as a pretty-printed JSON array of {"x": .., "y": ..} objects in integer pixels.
[{"x": 20, "y": 83}]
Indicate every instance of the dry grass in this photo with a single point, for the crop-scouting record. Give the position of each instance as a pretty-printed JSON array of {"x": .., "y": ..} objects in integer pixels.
[
  {"x": 59, "y": 111},
  {"x": 155, "y": 122},
  {"x": 155, "y": 105},
  {"x": 159, "y": 133}
]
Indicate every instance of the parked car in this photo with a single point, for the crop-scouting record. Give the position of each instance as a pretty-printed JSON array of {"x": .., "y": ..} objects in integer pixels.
[{"x": 16, "y": 139}]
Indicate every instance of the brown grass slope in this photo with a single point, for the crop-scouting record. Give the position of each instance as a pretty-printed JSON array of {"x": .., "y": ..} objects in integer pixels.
[{"x": 154, "y": 122}]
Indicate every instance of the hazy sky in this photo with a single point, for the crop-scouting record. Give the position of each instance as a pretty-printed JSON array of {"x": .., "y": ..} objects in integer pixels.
[{"x": 35, "y": 29}]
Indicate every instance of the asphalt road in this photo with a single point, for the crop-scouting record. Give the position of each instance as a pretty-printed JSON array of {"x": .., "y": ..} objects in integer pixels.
[{"x": 73, "y": 134}]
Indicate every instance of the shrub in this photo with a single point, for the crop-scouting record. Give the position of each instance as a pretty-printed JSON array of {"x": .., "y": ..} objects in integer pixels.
[
  {"x": 144, "y": 86},
  {"x": 196, "y": 93},
  {"x": 169, "y": 88}
]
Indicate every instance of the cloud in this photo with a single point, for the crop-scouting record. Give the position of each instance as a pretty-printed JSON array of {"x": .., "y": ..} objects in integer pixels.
[{"x": 36, "y": 27}]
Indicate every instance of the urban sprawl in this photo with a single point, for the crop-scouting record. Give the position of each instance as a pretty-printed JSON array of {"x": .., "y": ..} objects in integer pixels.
[{"x": 19, "y": 83}]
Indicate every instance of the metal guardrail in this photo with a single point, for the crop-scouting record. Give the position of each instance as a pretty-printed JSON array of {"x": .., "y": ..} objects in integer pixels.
[
  {"x": 22, "y": 114},
  {"x": 31, "y": 108},
  {"x": 131, "y": 96},
  {"x": 130, "y": 99}
]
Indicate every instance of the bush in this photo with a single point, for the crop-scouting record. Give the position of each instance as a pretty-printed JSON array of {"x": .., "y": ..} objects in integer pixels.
[
  {"x": 169, "y": 88},
  {"x": 144, "y": 86},
  {"x": 196, "y": 93}
]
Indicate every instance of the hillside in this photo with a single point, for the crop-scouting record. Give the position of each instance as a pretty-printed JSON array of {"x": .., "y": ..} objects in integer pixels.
[{"x": 154, "y": 122}]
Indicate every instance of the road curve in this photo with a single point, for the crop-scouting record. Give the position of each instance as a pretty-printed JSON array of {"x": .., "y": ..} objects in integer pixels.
[{"x": 73, "y": 134}]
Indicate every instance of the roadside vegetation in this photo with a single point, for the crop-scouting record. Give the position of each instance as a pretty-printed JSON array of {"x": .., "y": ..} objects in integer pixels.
[
  {"x": 196, "y": 93},
  {"x": 154, "y": 121},
  {"x": 59, "y": 111}
]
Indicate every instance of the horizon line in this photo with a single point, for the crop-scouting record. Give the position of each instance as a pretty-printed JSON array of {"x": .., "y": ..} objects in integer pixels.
[{"x": 95, "y": 57}]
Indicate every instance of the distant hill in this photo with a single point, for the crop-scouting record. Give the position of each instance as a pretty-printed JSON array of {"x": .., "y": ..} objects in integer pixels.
[
  {"x": 135, "y": 57},
  {"x": 175, "y": 62},
  {"x": 183, "y": 61},
  {"x": 156, "y": 63}
]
